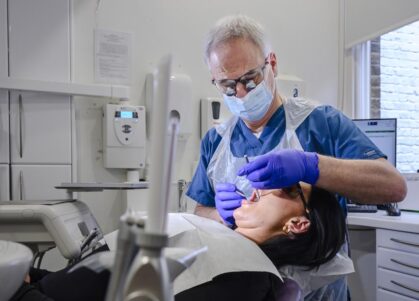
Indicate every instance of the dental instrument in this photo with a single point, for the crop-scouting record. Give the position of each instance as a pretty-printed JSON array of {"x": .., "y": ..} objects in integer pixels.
[
  {"x": 257, "y": 191},
  {"x": 241, "y": 193}
]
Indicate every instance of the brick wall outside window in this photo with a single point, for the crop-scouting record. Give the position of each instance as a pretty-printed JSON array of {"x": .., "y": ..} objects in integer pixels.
[{"x": 395, "y": 89}]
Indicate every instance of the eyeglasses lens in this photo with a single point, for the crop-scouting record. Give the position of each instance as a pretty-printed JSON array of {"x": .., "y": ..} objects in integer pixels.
[{"x": 249, "y": 81}]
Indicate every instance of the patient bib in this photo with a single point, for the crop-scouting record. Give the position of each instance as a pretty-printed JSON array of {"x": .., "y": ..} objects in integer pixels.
[{"x": 223, "y": 165}]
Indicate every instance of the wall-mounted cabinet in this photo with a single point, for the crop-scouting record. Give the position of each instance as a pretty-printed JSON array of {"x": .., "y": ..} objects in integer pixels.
[
  {"x": 39, "y": 39},
  {"x": 35, "y": 150},
  {"x": 36, "y": 117},
  {"x": 35, "y": 50},
  {"x": 40, "y": 145},
  {"x": 35, "y": 127}
]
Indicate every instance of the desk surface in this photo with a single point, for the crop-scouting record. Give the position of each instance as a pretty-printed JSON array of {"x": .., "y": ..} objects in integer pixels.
[{"x": 407, "y": 221}]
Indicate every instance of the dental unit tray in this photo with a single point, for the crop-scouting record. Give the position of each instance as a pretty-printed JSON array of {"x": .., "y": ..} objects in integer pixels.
[{"x": 86, "y": 187}]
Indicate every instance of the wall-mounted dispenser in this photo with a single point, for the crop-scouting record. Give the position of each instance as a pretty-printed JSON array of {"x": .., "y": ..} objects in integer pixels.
[
  {"x": 124, "y": 136},
  {"x": 213, "y": 112},
  {"x": 290, "y": 86},
  {"x": 180, "y": 94}
]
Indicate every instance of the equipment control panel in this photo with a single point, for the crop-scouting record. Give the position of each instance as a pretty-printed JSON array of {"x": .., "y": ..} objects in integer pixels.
[{"x": 124, "y": 136}]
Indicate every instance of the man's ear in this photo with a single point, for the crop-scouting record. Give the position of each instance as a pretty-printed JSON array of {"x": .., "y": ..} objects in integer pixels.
[
  {"x": 297, "y": 225},
  {"x": 274, "y": 63}
]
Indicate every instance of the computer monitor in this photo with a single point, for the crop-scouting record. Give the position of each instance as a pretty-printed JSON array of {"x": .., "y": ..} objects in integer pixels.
[{"x": 383, "y": 133}]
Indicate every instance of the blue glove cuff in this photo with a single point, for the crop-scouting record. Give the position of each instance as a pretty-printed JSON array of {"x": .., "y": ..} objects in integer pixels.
[
  {"x": 312, "y": 168},
  {"x": 230, "y": 222}
]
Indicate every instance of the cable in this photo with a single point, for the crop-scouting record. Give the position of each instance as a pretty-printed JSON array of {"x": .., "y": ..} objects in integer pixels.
[
  {"x": 35, "y": 256},
  {"x": 41, "y": 256},
  {"x": 93, "y": 233}
]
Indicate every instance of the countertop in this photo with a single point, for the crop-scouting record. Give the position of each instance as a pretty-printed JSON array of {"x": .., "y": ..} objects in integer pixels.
[{"x": 407, "y": 221}]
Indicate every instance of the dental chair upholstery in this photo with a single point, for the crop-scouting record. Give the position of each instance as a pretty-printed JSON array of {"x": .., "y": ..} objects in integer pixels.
[
  {"x": 15, "y": 260},
  {"x": 244, "y": 286}
]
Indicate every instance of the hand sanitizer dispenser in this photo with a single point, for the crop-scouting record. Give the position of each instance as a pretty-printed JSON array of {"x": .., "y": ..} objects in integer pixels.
[
  {"x": 290, "y": 86},
  {"x": 213, "y": 112},
  {"x": 124, "y": 136}
]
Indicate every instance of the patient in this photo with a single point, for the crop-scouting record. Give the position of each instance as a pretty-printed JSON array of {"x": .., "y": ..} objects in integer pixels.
[{"x": 288, "y": 229}]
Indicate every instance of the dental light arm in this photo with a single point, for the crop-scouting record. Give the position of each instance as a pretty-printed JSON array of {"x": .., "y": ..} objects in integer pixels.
[
  {"x": 127, "y": 249},
  {"x": 160, "y": 156},
  {"x": 151, "y": 274}
]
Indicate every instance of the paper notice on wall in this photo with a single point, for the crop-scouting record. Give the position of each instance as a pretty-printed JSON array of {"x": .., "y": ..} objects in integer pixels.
[{"x": 113, "y": 56}]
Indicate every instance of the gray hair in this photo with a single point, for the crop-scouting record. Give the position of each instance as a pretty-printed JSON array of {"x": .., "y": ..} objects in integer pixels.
[{"x": 232, "y": 27}]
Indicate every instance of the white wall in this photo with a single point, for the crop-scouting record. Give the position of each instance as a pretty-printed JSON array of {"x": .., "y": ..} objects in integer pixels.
[{"x": 304, "y": 35}]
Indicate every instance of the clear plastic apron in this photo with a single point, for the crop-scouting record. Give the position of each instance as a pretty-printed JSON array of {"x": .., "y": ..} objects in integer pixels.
[{"x": 223, "y": 165}]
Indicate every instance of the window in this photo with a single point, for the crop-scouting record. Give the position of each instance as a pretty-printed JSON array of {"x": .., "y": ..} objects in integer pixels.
[{"x": 394, "y": 79}]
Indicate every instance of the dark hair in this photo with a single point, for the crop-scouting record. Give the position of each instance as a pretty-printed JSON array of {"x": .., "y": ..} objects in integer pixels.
[{"x": 320, "y": 243}]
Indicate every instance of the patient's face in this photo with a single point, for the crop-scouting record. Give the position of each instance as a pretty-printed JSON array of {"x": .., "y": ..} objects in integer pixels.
[{"x": 260, "y": 221}]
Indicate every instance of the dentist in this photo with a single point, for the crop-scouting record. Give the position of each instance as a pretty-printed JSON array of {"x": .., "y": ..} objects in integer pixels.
[{"x": 286, "y": 140}]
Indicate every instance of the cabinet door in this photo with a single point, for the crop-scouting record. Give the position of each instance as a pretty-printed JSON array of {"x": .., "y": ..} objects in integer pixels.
[
  {"x": 401, "y": 283},
  {"x": 4, "y": 127},
  {"x": 384, "y": 295},
  {"x": 3, "y": 39},
  {"x": 363, "y": 254},
  {"x": 39, "y": 39},
  {"x": 40, "y": 128},
  {"x": 4, "y": 182},
  {"x": 37, "y": 182}
]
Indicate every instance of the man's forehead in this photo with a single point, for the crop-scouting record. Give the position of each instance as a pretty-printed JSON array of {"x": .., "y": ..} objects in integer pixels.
[
  {"x": 226, "y": 67},
  {"x": 235, "y": 57}
]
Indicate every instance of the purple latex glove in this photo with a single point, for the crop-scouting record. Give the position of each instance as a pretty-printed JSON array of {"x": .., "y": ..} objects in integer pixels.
[
  {"x": 281, "y": 169},
  {"x": 226, "y": 200}
]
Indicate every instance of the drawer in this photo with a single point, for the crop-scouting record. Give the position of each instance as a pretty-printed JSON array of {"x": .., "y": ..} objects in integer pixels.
[
  {"x": 384, "y": 295},
  {"x": 398, "y": 261},
  {"x": 398, "y": 282},
  {"x": 403, "y": 241}
]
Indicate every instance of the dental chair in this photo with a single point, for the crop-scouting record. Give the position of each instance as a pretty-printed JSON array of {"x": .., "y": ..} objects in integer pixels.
[{"x": 15, "y": 260}]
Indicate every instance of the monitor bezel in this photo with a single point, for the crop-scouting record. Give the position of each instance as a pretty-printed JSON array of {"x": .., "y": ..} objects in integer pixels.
[{"x": 383, "y": 119}]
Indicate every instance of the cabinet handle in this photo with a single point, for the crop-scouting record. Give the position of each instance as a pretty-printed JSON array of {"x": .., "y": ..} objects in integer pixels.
[
  {"x": 21, "y": 185},
  {"x": 405, "y": 242},
  {"x": 405, "y": 286},
  {"x": 20, "y": 126},
  {"x": 405, "y": 264}
]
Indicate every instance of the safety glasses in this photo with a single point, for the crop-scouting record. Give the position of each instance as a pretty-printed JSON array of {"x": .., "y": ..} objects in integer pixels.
[
  {"x": 296, "y": 191},
  {"x": 249, "y": 80},
  {"x": 293, "y": 192}
]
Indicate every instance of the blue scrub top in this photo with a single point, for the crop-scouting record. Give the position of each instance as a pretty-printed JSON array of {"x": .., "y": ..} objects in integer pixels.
[{"x": 325, "y": 131}]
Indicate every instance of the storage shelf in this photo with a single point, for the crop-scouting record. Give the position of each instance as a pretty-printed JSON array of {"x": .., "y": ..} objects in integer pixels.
[
  {"x": 86, "y": 187},
  {"x": 76, "y": 89}
]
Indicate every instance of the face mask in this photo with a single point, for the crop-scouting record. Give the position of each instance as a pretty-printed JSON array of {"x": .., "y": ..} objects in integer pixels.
[{"x": 253, "y": 106}]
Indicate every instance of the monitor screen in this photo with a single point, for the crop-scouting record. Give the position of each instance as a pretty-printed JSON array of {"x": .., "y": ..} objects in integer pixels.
[{"x": 383, "y": 132}]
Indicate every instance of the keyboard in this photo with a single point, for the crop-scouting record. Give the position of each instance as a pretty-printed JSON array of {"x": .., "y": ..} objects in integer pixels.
[{"x": 361, "y": 208}]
